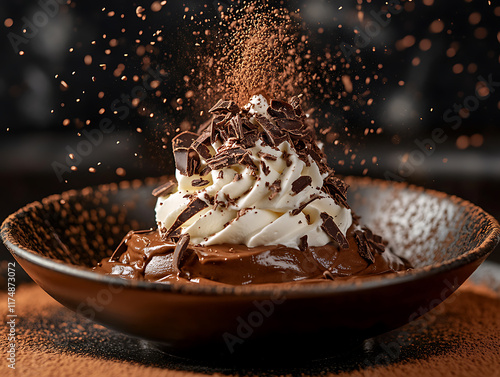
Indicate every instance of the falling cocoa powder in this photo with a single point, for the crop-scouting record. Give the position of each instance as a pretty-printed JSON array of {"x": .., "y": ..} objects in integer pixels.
[{"x": 254, "y": 48}]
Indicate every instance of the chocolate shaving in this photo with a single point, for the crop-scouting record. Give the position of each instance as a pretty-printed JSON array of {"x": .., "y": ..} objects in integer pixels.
[
  {"x": 224, "y": 107},
  {"x": 246, "y": 160},
  {"x": 295, "y": 102},
  {"x": 175, "y": 235},
  {"x": 275, "y": 189},
  {"x": 337, "y": 188},
  {"x": 237, "y": 126},
  {"x": 164, "y": 189},
  {"x": 303, "y": 243},
  {"x": 275, "y": 114},
  {"x": 199, "y": 145},
  {"x": 284, "y": 108},
  {"x": 226, "y": 158},
  {"x": 272, "y": 131},
  {"x": 186, "y": 159},
  {"x": 229, "y": 200},
  {"x": 184, "y": 140},
  {"x": 286, "y": 156},
  {"x": 267, "y": 156},
  {"x": 248, "y": 126},
  {"x": 318, "y": 156},
  {"x": 375, "y": 241},
  {"x": 224, "y": 135},
  {"x": 363, "y": 248},
  {"x": 193, "y": 207},
  {"x": 301, "y": 183},
  {"x": 265, "y": 169},
  {"x": 333, "y": 230},
  {"x": 293, "y": 126},
  {"x": 180, "y": 248},
  {"x": 199, "y": 182},
  {"x": 250, "y": 138},
  {"x": 218, "y": 123}
]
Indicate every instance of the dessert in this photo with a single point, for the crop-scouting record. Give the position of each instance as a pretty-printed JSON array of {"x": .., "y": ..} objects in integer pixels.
[{"x": 255, "y": 202}]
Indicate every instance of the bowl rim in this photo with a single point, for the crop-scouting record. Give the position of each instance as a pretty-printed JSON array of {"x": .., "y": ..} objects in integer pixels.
[{"x": 289, "y": 288}]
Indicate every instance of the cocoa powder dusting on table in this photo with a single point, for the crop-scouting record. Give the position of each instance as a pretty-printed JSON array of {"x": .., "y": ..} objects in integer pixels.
[{"x": 459, "y": 338}]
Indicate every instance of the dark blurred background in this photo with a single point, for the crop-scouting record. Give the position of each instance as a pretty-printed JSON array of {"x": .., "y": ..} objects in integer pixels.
[{"x": 431, "y": 69}]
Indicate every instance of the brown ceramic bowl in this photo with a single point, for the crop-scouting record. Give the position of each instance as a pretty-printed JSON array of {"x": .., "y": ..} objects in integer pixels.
[{"x": 58, "y": 239}]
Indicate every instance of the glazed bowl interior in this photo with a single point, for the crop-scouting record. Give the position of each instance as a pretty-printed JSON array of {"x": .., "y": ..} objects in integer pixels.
[
  {"x": 59, "y": 239},
  {"x": 80, "y": 228}
]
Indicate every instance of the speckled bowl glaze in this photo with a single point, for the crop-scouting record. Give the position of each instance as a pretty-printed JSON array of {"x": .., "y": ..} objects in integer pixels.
[{"x": 58, "y": 239}]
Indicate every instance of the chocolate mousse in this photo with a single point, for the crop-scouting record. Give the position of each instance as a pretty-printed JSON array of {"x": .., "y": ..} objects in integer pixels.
[{"x": 254, "y": 202}]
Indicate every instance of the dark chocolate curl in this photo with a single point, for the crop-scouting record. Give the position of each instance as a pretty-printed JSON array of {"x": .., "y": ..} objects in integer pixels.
[
  {"x": 337, "y": 188},
  {"x": 164, "y": 189},
  {"x": 301, "y": 183},
  {"x": 283, "y": 107},
  {"x": 237, "y": 126},
  {"x": 200, "y": 145},
  {"x": 186, "y": 159},
  {"x": 363, "y": 247},
  {"x": 293, "y": 126},
  {"x": 224, "y": 107},
  {"x": 275, "y": 114},
  {"x": 273, "y": 132},
  {"x": 333, "y": 230},
  {"x": 226, "y": 158},
  {"x": 199, "y": 182},
  {"x": 184, "y": 140},
  {"x": 194, "y": 206},
  {"x": 303, "y": 243},
  {"x": 275, "y": 189},
  {"x": 295, "y": 102},
  {"x": 180, "y": 248}
]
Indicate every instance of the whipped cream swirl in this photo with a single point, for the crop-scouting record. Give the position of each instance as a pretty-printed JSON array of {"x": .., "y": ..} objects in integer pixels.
[{"x": 278, "y": 201}]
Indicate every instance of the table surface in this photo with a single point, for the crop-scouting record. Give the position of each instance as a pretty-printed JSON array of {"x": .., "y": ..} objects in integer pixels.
[{"x": 461, "y": 337}]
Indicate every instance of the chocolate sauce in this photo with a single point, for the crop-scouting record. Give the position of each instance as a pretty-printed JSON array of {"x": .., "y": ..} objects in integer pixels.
[{"x": 148, "y": 257}]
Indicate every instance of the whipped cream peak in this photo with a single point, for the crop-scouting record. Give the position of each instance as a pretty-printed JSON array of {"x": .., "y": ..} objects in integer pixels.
[
  {"x": 254, "y": 176},
  {"x": 257, "y": 104}
]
